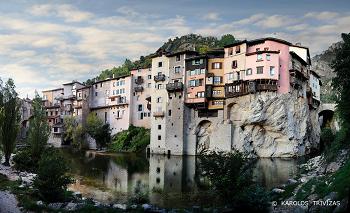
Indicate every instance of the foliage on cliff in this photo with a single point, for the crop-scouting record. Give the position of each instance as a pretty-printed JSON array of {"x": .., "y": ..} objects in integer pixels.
[
  {"x": 98, "y": 130},
  {"x": 186, "y": 42},
  {"x": 135, "y": 139}
]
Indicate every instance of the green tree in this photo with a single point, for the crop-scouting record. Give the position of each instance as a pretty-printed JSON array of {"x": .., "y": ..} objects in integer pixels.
[
  {"x": 39, "y": 129},
  {"x": 52, "y": 179},
  {"x": 11, "y": 117},
  {"x": 79, "y": 137},
  {"x": 226, "y": 39},
  {"x": 341, "y": 82},
  {"x": 69, "y": 124},
  {"x": 98, "y": 130}
]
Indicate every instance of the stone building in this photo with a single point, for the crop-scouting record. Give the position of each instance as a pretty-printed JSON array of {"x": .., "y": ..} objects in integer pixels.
[{"x": 141, "y": 92}]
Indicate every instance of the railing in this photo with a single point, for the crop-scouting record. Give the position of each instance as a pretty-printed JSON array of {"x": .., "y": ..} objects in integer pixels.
[
  {"x": 159, "y": 78},
  {"x": 172, "y": 87},
  {"x": 138, "y": 89},
  {"x": 139, "y": 80},
  {"x": 158, "y": 114}
]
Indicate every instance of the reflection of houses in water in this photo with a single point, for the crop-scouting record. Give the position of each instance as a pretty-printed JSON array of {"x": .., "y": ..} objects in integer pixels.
[
  {"x": 271, "y": 172},
  {"x": 117, "y": 178},
  {"x": 173, "y": 174}
]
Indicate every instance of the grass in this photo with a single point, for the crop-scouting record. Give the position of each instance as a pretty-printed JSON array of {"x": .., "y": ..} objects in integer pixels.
[
  {"x": 341, "y": 181},
  {"x": 313, "y": 186}
]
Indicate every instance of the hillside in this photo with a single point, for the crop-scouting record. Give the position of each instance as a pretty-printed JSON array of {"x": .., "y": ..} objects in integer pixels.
[
  {"x": 321, "y": 64},
  {"x": 187, "y": 42}
]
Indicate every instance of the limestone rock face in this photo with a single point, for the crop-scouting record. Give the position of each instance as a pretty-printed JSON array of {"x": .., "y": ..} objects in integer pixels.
[{"x": 273, "y": 125}]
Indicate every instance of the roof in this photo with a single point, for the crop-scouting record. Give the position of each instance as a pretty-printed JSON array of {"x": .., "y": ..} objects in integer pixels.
[
  {"x": 182, "y": 52},
  {"x": 315, "y": 74},
  {"x": 235, "y": 43},
  {"x": 73, "y": 82},
  {"x": 262, "y": 40},
  {"x": 110, "y": 79},
  {"x": 51, "y": 90},
  {"x": 298, "y": 57}
]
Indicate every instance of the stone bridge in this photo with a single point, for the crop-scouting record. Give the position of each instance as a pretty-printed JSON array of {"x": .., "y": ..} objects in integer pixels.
[{"x": 326, "y": 116}]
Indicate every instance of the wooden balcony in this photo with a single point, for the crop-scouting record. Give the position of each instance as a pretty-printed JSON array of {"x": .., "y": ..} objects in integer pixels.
[
  {"x": 158, "y": 114},
  {"x": 158, "y": 78},
  {"x": 139, "y": 80},
  {"x": 138, "y": 89},
  {"x": 240, "y": 88},
  {"x": 173, "y": 87}
]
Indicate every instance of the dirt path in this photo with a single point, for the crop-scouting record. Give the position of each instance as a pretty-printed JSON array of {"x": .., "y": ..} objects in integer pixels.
[{"x": 8, "y": 203}]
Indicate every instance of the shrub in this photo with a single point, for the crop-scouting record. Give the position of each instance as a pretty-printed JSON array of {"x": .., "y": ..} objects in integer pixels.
[
  {"x": 52, "y": 180},
  {"x": 140, "y": 194},
  {"x": 24, "y": 162},
  {"x": 135, "y": 139},
  {"x": 327, "y": 136}
]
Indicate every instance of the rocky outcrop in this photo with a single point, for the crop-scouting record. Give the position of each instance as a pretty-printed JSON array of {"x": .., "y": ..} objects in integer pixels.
[{"x": 273, "y": 125}]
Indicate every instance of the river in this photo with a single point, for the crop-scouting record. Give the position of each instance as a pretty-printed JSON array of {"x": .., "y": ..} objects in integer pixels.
[{"x": 171, "y": 181}]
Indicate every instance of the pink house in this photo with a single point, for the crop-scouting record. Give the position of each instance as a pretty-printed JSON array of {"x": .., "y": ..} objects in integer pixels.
[{"x": 265, "y": 66}]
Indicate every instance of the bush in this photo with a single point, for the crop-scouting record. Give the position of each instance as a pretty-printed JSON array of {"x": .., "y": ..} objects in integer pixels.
[
  {"x": 24, "y": 162},
  {"x": 327, "y": 136},
  {"x": 339, "y": 142},
  {"x": 52, "y": 180},
  {"x": 135, "y": 139}
]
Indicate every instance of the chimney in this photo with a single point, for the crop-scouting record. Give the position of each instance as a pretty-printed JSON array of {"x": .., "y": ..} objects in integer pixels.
[{"x": 298, "y": 44}]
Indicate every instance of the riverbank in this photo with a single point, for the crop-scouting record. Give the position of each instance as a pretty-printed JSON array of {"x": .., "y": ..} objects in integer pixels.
[{"x": 322, "y": 186}]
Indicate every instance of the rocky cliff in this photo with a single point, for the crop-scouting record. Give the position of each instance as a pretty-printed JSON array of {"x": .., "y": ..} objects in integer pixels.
[{"x": 273, "y": 125}]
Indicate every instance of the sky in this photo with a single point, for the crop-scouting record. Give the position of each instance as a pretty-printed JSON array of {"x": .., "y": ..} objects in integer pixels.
[{"x": 46, "y": 43}]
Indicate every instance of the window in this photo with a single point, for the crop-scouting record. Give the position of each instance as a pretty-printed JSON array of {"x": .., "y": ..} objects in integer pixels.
[
  {"x": 141, "y": 116},
  {"x": 216, "y": 65},
  {"x": 160, "y": 86},
  {"x": 178, "y": 57},
  {"x": 197, "y": 61},
  {"x": 218, "y": 103},
  {"x": 272, "y": 70},
  {"x": 217, "y": 79},
  {"x": 101, "y": 85},
  {"x": 160, "y": 64},
  {"x": 238, "y": 75},
  {"x": 159, "y": 127},
  {"x": 268, "y": 57},
  {"x": 95, "y": 93},
  {"x": 202, "y": 71},
  {"x": 216, "y": 92},
  {"x": 169, "y": 112},
  {"x": 149, "y": 76},
  {"x": 159, "y": 137},
  {"x": 200, "y": 94},
  {"x": 159, "y": 100},
  {"x": 259, "y": 70},
  {"x": 149, "y": 85},
  {"x": 266, "y": 49},
  {"x": 177, "y": 69},
  {"x": 139, "y": 108},
  {"x": 249, "y": 71},
  {"x": 95, "y": 86},
  {"x": 234, "y": 64},
  {"x": 257, "y": 49},
  {"x": 259, "y": 57},
  {"x": 238, "y": 49},
  {"x": 192, "y": 83},
  {"x": 230, "y": 51}
]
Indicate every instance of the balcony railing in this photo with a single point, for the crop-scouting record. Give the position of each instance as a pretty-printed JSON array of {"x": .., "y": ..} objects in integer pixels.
[
  {"x": 139, "y": 80},
  {"x": 138, "y": 89},
  {"x": 159, "y": 78},
  {"x": 173, "y": 87},
  {"x": 158, "y": 114}
]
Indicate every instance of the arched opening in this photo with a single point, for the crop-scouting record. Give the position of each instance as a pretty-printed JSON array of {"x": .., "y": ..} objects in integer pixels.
[
  {"x": 203, "y": 133},
  {"x": 326, "y": 118}
]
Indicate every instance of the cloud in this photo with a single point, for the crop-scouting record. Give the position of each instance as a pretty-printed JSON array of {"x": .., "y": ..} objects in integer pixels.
[
  {"x": 274, "y": 21},
  {"x": 212, "y": 16},
  {"x": 65, "y": 11},
  {"x": 326, "y": 15}
]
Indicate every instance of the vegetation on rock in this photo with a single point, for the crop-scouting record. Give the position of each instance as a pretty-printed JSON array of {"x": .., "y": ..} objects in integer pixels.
[
  {"x": 135, "y": 139},
  {"x": 98, "y": 130}
]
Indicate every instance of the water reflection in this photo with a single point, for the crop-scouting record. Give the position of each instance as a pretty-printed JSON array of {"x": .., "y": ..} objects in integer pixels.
[{"x": 172, "y": 181}]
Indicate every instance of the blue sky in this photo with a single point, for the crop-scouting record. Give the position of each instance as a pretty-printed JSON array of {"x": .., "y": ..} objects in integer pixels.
[{"x": 46, "y": 43}]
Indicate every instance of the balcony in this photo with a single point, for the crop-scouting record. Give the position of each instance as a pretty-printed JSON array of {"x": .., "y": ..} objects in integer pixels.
[
  {"x": 158, "y": 114},
  {"x": 268, "y": 87},
  {"x": 139, "y": 80},
  {"x": 298, "y": 70},
  {"x": 173, "y": 87},
  {"x": 138, "y": 89},
  {"x": 160, "y": 77}
]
